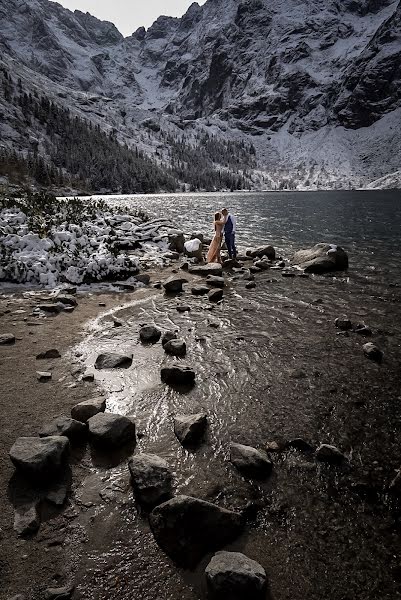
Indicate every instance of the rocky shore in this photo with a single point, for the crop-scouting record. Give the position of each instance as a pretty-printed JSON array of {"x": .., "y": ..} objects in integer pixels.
[{"x": 251, "y": 407}]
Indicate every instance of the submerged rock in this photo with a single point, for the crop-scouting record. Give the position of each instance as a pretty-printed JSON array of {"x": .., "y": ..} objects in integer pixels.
[
  {"x": 111, "y": 431},
  {"x": 190, "y": 429},
  {"x": 70, "y": 428},
  {"x": 149, "y": 334},
  {"x": 88, "y": 408},
  {"x": 331, "y": 454},
  {"x": 178, "y": 375},
  {"x": 321, "y": 258},
  {"x": 234, "y": 576},
  {"x": 176, "y": 347},
  {"x": 372, "y": 352},
  {"x": 39, "y": 457},
  {"x": 251, "y": 462},
  {"x": 187, "y": 528},
  {"x": 151, "y": 478},
  {"x": 112, "y": 360}
]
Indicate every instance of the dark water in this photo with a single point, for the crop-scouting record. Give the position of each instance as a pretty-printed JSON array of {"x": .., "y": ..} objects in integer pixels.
[{"x": 274, "y": 369}]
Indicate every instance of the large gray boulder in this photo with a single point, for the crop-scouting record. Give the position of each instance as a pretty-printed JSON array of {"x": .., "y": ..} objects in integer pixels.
[
  {"x": 173, "y": 285},
  {"x": 187, "y": 528},
  {"x": 178, "y": 375},
  {"x": 112, "y": 360},
  {"x": 321, "y": 258},
  {"x": 39, "y": 457},
  {"x": 151, "y": 478},
  {"x": 209, "y": 269},
  {"x": 88, "y": 408},
  {"x": 190, "y": 429},
  {"x": 261, "y": 251},
  {"x": 234, "y": 576},
  {"x": 107, "y": 430},
  {"x": 250, "y": 461},
  {"x": 73, "y": 429}
]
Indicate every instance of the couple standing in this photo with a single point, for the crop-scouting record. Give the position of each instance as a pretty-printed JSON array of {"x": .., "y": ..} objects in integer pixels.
[{"x": 224, "y": 224}]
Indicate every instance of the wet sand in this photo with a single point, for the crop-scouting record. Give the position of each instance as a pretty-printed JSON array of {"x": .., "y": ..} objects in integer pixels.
[{"x": 270, "y": 367}]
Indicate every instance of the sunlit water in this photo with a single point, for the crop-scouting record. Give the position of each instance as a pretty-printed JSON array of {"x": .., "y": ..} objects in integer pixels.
[{"x": 272, "y": 369}]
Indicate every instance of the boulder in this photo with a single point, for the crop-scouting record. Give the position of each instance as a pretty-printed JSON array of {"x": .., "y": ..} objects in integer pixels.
[
  {"x": 112, "y": 360},
  {"x": 66, "y": 299},
  {"x": 53, "y": 353},
  {"x": 263, "y": 265},
  {"x": 234, "y": 576},
  {"x": 176, "y": 241},
  {"x": 182, "y": 308},
  {"x": 300, "y": 444},
  {"x": 176, "y": 347},
  {"x": 173, "y": 285},
  {"x": 190, "y": 429},
  {"x": 193, "y": 249},
  {"x": 251, "y": 462},
  {"x": 50, "y": 308},
  {"x": 187, "y": 528},
  {"x": 70, "y": 428},
  {"x": 168, "y": 336},
  {"x": 231, "y": 263},
  {"x": 151, "y": 478},
  {"x": 261, "y": 251},
  {"x": 330, "y": 454},
  {"x": 344, "y": 324},
  {"x": 209, "y": 269},
  {"x": 88, "y": 376},
  {"x": 248, "y": 276},
  {"x": 6, "y": 339},
  {"x": 215, "y": 295},
  {"x": 363, "y": 330},
  {"x": 253, "y": 269},
  {"x": 372, "y": 352},
  {"x": 87, "y": 409},
  {"x": 39, "y": 457},
  {"x": 321, "y": 258},
  {"x": 149, "y": 334},
  {"x": 111, "y": 431},
  {"x": 288, "y": 274},
  {"x": 178, "y": 375},
  {"x": 143, "y": 278},
  {"x": 215, "y": 281},
  {"x": 26, "y": 520},
  {"x": 200, "y": 290}
]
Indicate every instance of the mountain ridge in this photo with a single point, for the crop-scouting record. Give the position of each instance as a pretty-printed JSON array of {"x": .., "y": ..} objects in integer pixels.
[{"x": 312, "y": 85}]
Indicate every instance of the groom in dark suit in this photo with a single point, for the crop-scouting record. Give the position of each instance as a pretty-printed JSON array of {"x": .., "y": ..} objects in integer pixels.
[{"x": 229, "y": 232}]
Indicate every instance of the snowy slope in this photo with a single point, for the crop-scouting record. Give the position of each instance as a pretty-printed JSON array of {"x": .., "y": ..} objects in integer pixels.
[{"x": 314, "y": 84}]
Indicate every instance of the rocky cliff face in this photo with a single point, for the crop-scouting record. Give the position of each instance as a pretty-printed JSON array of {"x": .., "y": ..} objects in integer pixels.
[{"x": 315, "y": 84}]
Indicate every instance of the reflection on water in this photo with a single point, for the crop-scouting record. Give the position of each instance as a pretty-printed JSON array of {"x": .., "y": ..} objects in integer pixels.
[{"x": 273, "y": 370}]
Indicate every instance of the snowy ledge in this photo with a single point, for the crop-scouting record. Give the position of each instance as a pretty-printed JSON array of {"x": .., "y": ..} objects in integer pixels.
[{"x": 47, "y": 241}]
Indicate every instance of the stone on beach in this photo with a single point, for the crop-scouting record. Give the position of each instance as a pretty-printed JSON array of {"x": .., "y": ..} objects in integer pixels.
[
  {"x": 250, "y": 461},
  {"x": 250, "y": 285},
  {"x": 66, "y": 426},
  {"x": 26, "y": 520},
  {"x": 178, "y": 375},
  {"x": 87, "y": 409},
  {"x": 262, "y": 251},
  {"x": 262, "y": 264},
  {"x": 39, "y": 457},
  {"x": 173, "y": 285},
  {"x": 234, "y": 576},
  {"x": 149, "y": 334},
  {"x": 66, "y": 299},
  {"x": 343, "y": 323},
  {"x": 215, "y": 281},
  {"x": 215, "y": 295},
  {"x": 200, "y": 290},
  {"x": 112, "y": 360},
  {"x": 168, "y": 336},
  {"x": 209, "y": 269},
  {"x": 50, "y": 308},
  {"x": 176, "y": 241},
  {"x": 111, "y": 431},
  {"x": 187, "y": 528},
  {"x": 330, "y": 454},
  {"x": 151, "y": 478},
  {"x": 176, "y": 347},
  {"x": 64, "y": 593},
  {"x": 6, "y": 339},
  {"x": 53, "y": 353},
  {"x": 372, "y": 352},
  {"x": 190, "y": 429},
  {"x": 43, "y": 376},
  {"x": 321, "y": 258}
]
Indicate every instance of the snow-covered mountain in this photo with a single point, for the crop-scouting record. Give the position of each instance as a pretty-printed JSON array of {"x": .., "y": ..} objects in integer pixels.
[{"x": 313, "y": 85}]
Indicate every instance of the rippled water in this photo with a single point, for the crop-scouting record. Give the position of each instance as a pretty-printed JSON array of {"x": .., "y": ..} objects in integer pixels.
[{"x": 270, "y": 368}]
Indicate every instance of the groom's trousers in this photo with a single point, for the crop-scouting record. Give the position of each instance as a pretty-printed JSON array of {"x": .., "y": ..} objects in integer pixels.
[{"x": 230, "y": 243}]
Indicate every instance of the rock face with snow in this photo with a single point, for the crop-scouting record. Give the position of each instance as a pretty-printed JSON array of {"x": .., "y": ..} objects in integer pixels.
[{"x": 290, "y": 76}]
